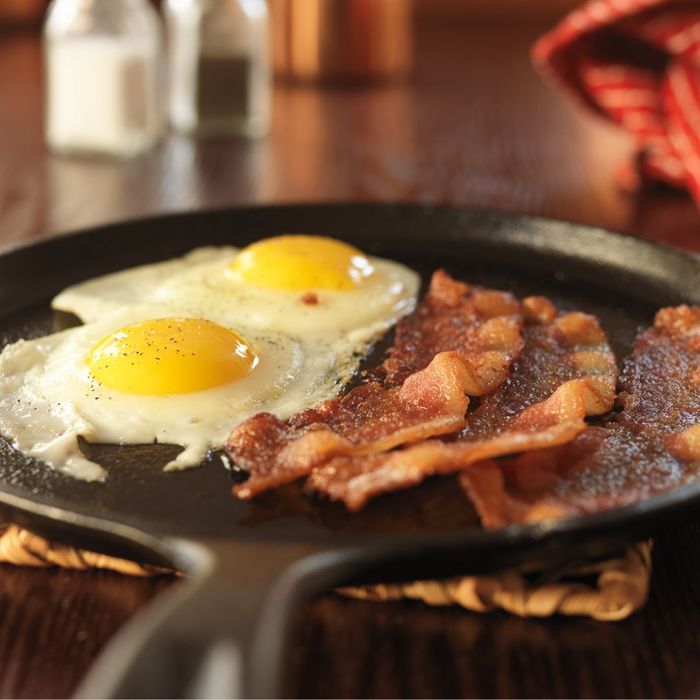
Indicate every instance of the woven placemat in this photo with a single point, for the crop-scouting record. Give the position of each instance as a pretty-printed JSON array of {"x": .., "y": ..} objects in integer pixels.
[{"x": 606, "y": 590}]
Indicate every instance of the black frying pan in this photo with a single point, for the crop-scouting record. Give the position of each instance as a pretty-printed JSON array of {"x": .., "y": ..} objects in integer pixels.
[{"x": 222, "y": 633}]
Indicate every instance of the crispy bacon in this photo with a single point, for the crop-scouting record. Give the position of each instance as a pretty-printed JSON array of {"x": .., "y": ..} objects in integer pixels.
[
  {"x": 368, "y": 419},
  {"x": 423, "y": 394},
  {"x": 483, "y": 325},
  {"x": 661, "y": 384},
  {"x": 565, "y": 372},
  {"x": 653, "y": 445}
]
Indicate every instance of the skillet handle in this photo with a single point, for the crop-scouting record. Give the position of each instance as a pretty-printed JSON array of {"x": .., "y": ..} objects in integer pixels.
[{"x": 222, "y": 632}]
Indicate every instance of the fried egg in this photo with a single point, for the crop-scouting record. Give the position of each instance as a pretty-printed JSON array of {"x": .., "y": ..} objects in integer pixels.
[
  {"x": 135, "y": 380},
  {"x": 182, "y": 351},
  {"x": 295, "y": 284}
]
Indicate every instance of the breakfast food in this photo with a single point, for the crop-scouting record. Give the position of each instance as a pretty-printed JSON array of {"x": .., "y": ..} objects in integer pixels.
[
  {"x": 169, "y": 379},
  {"x": 565, "y": 372},
  {"x": 473, "y": 335},
  {"x": 527, "y": 451},
  {"x": 652, "y": 444},
  {"x": 561, "y": 372},
  {"x": 180, "y": 351},
  {"x": 483, "y": 326},
  {"x": 368, "y": 419},
  {"x": 296, "y": 285}
]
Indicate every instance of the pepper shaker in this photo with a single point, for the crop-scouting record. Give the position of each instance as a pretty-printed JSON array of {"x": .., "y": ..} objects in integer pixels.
[{"x": 218, "y": 67}]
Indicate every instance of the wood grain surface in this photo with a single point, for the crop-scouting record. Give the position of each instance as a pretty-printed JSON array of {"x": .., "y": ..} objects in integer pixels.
[{"x": 475, "y": 126}]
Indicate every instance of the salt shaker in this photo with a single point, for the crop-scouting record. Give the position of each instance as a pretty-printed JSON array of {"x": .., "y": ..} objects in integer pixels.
[
  {"x": 103, "y": 77},
  {"x": 218, "y": 65}
]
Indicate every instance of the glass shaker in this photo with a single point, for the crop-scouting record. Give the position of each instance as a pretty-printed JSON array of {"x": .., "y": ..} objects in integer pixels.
[
  {"x": 218, "y": 66},
  {"x": 103, "y": 76}
]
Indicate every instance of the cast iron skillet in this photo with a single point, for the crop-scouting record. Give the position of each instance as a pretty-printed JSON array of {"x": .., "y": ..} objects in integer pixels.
[{"x": 222, "y": 633}]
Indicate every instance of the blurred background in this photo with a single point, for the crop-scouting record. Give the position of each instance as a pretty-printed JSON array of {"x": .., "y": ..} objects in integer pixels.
[
  {"x": 447, "y": 109},
  {"x": 29, "y": 13}
]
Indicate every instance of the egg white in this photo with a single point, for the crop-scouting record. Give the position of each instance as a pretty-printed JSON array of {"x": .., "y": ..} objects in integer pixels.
[
  {"x": 200, "y": 284},
  {"x": 307, "y": 352},
  {"x": 48, "y": 398},
  {"x": 138, "y": 286}
]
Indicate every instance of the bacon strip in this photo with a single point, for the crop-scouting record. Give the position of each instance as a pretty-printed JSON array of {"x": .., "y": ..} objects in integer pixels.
[
  {"x": 368, "y": 419},
  {"x": 483, "y": 325},
  {"x": 653, "y": 445},
  {"x": 565, "y": 372},
  {"x": 420, "y": 397}
]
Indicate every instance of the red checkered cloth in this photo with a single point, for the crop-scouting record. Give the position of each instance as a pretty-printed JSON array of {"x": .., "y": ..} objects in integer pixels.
[{"x": 636, "y": 62}]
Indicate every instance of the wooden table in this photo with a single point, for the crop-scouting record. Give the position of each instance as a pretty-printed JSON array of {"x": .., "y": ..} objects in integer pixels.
[{"x": 475, "y": 127}]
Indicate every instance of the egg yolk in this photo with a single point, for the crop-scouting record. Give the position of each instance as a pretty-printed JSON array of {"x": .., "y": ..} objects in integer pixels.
[
  {"x": 170, "y": 356},
  {"x": 298, "y": 263}
]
